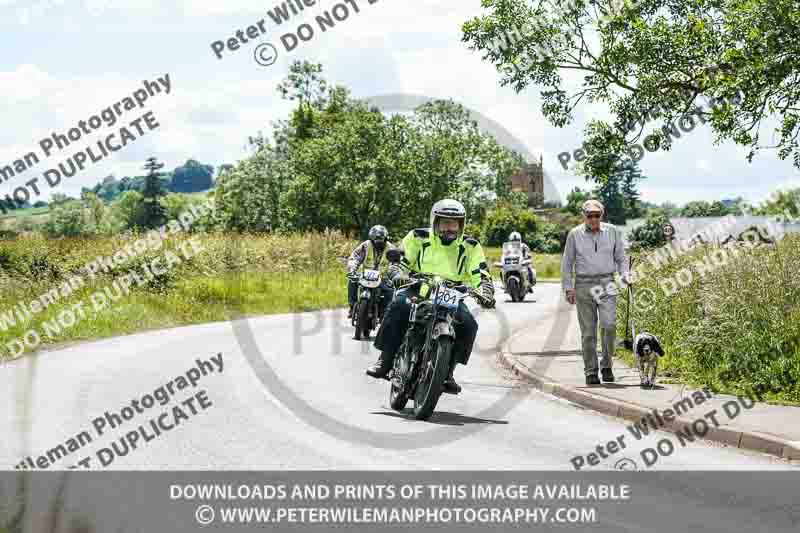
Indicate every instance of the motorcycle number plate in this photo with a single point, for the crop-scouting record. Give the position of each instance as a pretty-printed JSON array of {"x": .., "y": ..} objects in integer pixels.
[
  {"x": 371, "y": 275},
  {"x": 449, "y": 298}
]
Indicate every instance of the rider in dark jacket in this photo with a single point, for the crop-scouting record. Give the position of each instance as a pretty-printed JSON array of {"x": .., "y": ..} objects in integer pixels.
[{"x": 370, "y": 254}]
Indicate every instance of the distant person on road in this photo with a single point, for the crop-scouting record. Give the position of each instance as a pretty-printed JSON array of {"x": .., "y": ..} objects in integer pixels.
[
  {"x": 526, "y": 254},
  {"x": 442, "y": 249},
  {"x": 370, "y": 254},
  {"x": 594, "y": 252}
]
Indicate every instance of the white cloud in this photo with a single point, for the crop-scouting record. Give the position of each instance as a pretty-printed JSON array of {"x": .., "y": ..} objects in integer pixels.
[{"x": 388, "y": 47}]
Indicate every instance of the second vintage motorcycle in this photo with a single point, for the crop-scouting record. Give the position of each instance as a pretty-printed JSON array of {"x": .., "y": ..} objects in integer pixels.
[{"x": 515, "y": 271}]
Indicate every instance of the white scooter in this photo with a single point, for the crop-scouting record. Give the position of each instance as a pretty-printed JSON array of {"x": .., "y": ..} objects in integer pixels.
[{"x": 515, "y": 271}]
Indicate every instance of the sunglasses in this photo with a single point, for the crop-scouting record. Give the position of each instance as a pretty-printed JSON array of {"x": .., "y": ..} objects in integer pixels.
[{"x": 593, "y": 215}]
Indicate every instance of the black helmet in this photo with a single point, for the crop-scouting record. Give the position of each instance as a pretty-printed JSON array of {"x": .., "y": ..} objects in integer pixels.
[
  {"x": 378, "y": 236},
  {"x": 452, "y": 209}
]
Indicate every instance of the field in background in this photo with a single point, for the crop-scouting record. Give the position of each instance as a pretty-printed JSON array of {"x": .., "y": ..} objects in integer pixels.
[
  {"x": 29, "y": 218},
  {"x": 234, "y": 274}
]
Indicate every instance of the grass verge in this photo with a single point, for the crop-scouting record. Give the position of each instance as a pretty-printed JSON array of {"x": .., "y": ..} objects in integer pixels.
[{"x": 727, "y": 318}]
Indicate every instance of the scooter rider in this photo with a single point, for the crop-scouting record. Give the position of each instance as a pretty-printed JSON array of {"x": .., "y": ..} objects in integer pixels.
[
  {"x": 442, "y": 250},
  {"x": 370, "y": 254},
  {"x": 526, "y": 254}
]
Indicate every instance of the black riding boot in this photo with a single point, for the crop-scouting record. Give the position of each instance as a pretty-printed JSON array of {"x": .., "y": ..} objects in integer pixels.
[
  {"x": 381, "y": 368},
  {"x": 450, "y": 385}
]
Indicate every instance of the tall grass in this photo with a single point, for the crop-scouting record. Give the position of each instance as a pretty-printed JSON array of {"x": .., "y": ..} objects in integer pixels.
[
  {"x": 735, "y": 328},
  {"x": 232, "y": 275}
]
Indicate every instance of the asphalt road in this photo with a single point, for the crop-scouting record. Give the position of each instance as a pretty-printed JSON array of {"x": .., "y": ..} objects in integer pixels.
[
  {"x": 305, "y": 403},
  {"x": 292, "y": 395}
]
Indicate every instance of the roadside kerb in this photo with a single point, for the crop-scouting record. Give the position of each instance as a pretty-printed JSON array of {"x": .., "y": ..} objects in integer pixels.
[{"x": 746, "y": 440}]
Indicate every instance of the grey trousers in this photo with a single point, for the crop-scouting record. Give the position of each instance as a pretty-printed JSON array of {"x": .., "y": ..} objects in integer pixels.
[{"x": 590, "y": 310}]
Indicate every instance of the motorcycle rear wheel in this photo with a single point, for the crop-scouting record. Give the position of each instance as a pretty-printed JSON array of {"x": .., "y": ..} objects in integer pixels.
[{"x": 433, "y": 372}]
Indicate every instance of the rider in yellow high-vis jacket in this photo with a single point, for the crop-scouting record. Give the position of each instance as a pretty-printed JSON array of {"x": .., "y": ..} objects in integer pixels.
[{"x": 441, "y": 250}]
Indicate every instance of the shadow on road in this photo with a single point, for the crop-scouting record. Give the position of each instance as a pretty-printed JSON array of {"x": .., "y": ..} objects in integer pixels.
[{"x": 443, "y": 418}]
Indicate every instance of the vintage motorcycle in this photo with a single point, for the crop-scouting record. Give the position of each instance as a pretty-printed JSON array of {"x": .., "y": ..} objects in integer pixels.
[
  {"x": 423, "y": 359},
  {"x": 515, "y": 271},
  {"x": 367, "y": 313}
]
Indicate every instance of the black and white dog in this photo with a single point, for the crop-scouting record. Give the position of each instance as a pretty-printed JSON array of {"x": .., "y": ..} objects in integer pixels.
[{"x": 647, "y": 350}]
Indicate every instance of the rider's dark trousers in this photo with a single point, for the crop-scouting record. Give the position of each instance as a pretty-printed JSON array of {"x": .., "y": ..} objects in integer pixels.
[
  {"x": 395, "y": 323},
  {"x": 352, "y": 294}
]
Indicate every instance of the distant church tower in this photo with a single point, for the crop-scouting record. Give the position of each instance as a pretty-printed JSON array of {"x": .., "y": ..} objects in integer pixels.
[{"x": 530, "y": 180}]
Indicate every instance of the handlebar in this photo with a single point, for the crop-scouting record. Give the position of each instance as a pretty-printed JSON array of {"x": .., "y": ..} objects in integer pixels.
[{"x": 416, "y": 278}]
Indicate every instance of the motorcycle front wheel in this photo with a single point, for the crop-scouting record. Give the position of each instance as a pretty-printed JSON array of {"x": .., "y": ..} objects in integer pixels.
[
  {"x": 398, "y": 397},
  {"x": 514, "y": 288},
  {"x": 362, "y": 320},
  {"x": 432, "y": 374}
]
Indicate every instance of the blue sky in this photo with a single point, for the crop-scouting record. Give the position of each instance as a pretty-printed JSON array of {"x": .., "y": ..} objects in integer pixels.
[{"x": 65, "y": 60}]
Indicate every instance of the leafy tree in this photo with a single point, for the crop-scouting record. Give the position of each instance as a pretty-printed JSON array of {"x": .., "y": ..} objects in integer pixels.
[
  {"x": 786, "y": 203},
  {"x": 126, "y": 209},
  {"x": 630, "y": 174},
  {"x": 192, "y": 177},
  {"x": 250, "y": 196},
  {"x": 610, "y": 195},
  {"x": 96, "y": 212},
  {"x": 651, "y": 233},
  {"x": 337, "y": 163},
  {"x": 549, "y": 239},
  {"x": 742, "y": 53},
  {"x": 151, "y": 213},
  {"x": 504, "y": 219},
  {"x": 305, "y": 84},
  {"x": 67, "y": 219},
  {"x": 701, "y": 208},
  {"x": 575, "y": 200},
  {"x": 174, "y": 204}
]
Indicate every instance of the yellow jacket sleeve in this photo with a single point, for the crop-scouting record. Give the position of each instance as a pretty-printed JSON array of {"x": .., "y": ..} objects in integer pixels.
[
  {"x": 477, "y": 267},
  {"x": 411, "y": 249}
]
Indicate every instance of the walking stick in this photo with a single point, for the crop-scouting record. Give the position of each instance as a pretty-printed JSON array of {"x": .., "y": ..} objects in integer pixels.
[{"x": 628, "y": 342}]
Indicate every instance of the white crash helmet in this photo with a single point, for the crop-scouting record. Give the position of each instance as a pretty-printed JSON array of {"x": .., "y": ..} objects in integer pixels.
[
  {"x": 515, "y": 236},
  {"x": 448, "y": 208}
]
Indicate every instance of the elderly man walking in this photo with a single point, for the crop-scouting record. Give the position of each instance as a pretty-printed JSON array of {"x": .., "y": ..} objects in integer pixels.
[{"x": 594, "y": 251}]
